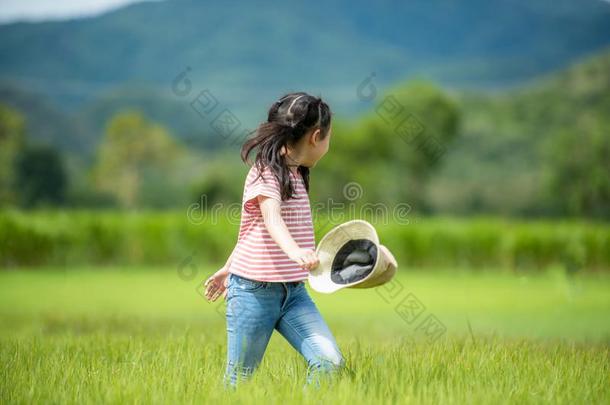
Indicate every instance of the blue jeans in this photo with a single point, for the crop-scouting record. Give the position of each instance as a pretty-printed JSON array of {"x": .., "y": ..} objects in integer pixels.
[{"x": 256, "y": 308}]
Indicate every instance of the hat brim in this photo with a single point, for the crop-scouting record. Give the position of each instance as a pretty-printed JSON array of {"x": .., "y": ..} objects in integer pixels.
[{"x": 331, "y": 243}]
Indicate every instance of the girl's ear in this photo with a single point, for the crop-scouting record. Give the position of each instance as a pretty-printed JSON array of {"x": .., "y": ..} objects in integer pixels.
[{"x": 315, "y": 136}]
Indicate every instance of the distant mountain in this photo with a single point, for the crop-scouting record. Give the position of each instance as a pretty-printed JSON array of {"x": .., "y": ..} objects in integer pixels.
[{"x": 248, "y": 53}]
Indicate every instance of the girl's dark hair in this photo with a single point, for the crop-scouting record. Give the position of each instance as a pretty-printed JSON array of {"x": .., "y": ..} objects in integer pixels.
[{"x": 289, "y": 118}]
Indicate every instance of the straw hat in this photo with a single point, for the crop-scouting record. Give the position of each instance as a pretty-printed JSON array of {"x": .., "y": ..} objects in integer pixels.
[{"x": 351, "y": 257}]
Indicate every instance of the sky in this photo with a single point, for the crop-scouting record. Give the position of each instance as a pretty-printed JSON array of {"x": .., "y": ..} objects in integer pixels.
[{"x": 37, "y": 10}]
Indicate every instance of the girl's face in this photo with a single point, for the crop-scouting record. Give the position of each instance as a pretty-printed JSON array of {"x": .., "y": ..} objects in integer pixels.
[{"x": 315, "y": 147}]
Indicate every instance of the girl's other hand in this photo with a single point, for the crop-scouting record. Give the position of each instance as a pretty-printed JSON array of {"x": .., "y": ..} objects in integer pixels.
[
  {"x": 216, "y": 286},
  {"x": 307, "y": 258}
]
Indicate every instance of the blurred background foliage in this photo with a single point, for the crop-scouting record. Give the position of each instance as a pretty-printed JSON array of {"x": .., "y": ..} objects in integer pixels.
[
  {"x": 78, "y": 237},
  {"x": 546, "y": 142},
  {"x": 100, "y": 161}
]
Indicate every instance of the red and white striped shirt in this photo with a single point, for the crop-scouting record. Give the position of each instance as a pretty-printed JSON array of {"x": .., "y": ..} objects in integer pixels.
[{"x": 256, "y": 255}]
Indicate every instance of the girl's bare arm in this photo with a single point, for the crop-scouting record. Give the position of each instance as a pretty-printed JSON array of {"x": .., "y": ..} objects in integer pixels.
[{"x": 271, "y": 211}]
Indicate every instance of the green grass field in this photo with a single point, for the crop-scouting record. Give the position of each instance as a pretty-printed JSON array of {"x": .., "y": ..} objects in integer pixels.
[{"x": 143, "y": 335}]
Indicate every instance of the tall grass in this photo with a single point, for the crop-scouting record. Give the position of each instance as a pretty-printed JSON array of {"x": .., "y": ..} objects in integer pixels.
[{"x": 119, "y": 335}]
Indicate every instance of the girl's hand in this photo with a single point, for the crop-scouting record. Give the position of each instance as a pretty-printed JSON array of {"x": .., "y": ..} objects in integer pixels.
[
  {"x": 307, "y": 258},
  {"x": 216, "y": 285}
]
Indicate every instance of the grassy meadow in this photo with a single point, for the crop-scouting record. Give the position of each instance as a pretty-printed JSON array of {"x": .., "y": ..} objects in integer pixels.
[{"x": 145, "y": 335}]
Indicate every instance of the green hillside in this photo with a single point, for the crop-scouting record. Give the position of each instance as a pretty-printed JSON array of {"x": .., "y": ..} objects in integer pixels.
[{"x": 501, "y": 160}]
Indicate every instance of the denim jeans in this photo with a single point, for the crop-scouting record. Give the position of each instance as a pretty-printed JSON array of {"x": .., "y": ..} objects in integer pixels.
[{"x": 256, "y": 308}]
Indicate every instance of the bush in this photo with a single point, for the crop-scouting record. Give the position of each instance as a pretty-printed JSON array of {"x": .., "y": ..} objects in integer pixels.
[{"x": 49, "y": 237}]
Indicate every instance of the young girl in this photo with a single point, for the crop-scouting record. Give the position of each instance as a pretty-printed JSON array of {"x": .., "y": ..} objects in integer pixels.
[{"x": 263, "y": 279}]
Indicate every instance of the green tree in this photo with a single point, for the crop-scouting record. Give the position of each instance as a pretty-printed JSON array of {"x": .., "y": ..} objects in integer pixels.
[
  {"x": 392, "y": 151},
  {"x": 12, "y": 139},
  {"x": 134, "y": 152},
  {"x": 221, "y": 180},
  {"x": 41, "y": 176},
  {"x": 579, "y": 182}
]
